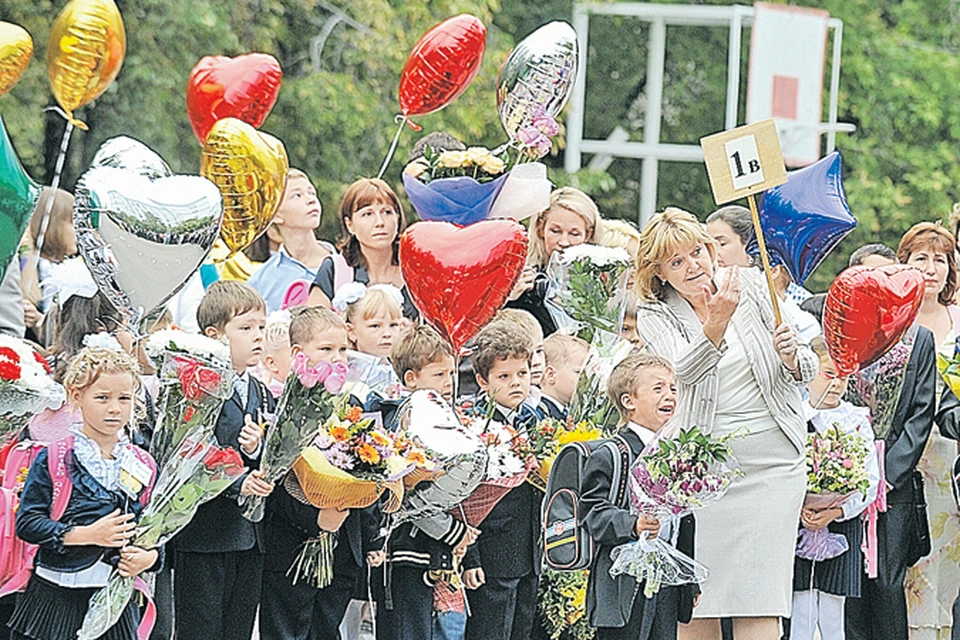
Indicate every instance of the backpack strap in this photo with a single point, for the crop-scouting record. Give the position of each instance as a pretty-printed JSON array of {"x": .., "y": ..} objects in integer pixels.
[{"x": 621, "y": 462}]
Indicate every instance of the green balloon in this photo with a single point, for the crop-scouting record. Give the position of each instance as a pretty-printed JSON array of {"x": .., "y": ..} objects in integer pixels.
[{"x": 18, "y": 199}]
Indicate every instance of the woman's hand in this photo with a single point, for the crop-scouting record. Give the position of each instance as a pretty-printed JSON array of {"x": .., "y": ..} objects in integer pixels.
[
  {"x": 524, "y": 283},
  {"x": 134, "y": 561},
  {"x": 113, "y": 531},
  {"x": 786, "y": 343},
  {"x": 31, "y": 315},
  {"x": 376, "y": 558},
  {"x": 720, "y": 306}
]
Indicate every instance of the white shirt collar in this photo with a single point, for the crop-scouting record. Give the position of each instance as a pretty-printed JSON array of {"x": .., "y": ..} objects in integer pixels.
[
  {"x": 645, "y": 435},
  {"x": 555, "y": 402}
]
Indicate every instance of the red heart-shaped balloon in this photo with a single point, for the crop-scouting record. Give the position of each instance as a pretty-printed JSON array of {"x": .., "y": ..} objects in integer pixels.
[
  {"x": 868, "y": 309},
  {"x": 442, "y": 64},
  {"x": 245, "y": 87},
  {"x": 459, "y": 277}
]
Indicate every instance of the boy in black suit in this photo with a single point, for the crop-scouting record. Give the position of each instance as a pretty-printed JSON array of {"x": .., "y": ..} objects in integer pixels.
[
  {"x": 565, "y": 356},
  {"x": 504, "y": 565},
  {"x": 293, "y": 608},
  {"x": 218, "y": 562},
  {"x": 643, "y": 388},
  {"x": 403, "y": 586}
]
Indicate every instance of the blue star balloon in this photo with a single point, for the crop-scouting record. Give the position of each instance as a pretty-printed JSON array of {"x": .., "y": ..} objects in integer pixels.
[
  {"x": 18, "y": 199},
  {"x": 804, "y": 218}
]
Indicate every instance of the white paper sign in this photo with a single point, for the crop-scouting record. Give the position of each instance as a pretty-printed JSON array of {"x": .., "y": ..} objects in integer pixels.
[{"x": 744, "y": 159}]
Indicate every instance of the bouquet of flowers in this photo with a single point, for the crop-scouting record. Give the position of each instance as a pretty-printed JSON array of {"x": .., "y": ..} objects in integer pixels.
[
  {"x": 589, "y": 286},
  {"x": 196, "y": 473},
  {"x": 590, "y": 401},
  {"x": 562, "y": 599},
  {"x": 352, "y": 462},
  {"x": 509, "y": 461},
  {"x": 456, "y": 186},
  {"x": 836, "y": 470},
  {"x": 307, "y": 401},
  {"x": 546, "y": 439},
  {"x": 26, "y": 387},
  {"x": 195, "y": 380},
  {"x": 670, "y": 479},
  {"x": 878, "y": 385}
]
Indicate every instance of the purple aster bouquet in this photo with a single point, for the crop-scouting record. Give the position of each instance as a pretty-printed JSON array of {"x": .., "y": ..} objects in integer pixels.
[{"x": 670, "y": 479}]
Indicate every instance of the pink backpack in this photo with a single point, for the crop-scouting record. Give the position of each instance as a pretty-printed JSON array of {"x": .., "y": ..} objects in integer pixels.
[{"x": 16, "y": 556}]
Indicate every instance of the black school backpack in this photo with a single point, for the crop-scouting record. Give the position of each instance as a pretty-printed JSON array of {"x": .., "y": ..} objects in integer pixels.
[{"x": 566, "y": 544}]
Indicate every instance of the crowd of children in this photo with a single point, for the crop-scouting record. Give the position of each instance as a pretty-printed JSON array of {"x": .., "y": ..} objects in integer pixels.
[{"x": 436, "y": 577}]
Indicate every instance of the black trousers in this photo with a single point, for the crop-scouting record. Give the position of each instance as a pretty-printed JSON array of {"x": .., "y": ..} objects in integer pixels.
[
  {"x": 301, "y": 611},
  {"x": 880, "y": 613},
  {"x": 410, "y": 616},
  {"x": 216, "y": 595},
  {"x": 503, "y": 609},
  {"x": 163, "y": 600},
  {"x": 662, "y": 627}
]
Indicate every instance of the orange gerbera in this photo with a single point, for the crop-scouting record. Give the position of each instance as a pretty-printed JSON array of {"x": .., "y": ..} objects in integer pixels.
[
  {"x": 353, "y": 414},
  {"x": 379, "y": 439},
  {"x": 340, "y": 434},
  {"x": 416, "y": 457},
  {"x": 368, "y": 454}
]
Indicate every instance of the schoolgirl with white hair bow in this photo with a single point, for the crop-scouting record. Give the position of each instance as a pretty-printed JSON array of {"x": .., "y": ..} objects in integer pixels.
[{"x": 374, "y": 317}]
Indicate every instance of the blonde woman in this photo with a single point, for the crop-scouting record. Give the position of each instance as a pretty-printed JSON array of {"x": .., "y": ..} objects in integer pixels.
[
  {"x": 571, "y": 219},
  {"x": 735, "y": 371}
]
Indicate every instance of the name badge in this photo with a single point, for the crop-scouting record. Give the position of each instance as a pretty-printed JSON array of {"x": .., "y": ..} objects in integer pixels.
[{"x": 134, "y": 475}]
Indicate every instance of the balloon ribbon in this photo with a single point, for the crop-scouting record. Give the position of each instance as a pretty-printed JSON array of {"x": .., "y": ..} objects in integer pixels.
[
  {"x": 55, "y": 183},
  {"x": 403, "y": 120}
]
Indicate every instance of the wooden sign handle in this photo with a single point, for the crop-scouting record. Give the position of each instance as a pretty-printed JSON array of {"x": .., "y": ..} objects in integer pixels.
[{"x": 763, "y": 258}]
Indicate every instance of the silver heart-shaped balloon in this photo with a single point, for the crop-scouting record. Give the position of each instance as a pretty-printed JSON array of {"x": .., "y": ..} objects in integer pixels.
[
  {"x": 537, "y": 76},
  {"x": 126, "y": 153},
  {"x": 142, "y": 239}
]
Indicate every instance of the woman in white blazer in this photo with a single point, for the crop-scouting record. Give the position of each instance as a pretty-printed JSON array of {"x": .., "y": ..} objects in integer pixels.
[{"x": 736, "y": 373}]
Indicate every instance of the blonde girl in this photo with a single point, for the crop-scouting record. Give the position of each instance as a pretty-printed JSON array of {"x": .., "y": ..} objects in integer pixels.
[{"x": 109, "y": 480}]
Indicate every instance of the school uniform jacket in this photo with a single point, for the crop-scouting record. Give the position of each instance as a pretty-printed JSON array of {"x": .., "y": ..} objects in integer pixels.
[
  {"x": 914, "y": 415},
  {"x": 610, "y": 601},
  {"x": 550, "y": 408},
  {"x": 219, "y": 526},
  {"x": 509, "y": 543}
]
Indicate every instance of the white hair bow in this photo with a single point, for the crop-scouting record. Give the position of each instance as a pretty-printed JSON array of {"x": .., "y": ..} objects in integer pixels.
[
  {"x": 352, "y": 292},
  {"x": 102, "y": 340},
  {"x": 70, "y": 278}
]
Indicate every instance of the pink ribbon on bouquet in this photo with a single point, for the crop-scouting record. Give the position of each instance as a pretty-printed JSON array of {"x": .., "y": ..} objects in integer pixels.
[{"x": 872, "y": 513}]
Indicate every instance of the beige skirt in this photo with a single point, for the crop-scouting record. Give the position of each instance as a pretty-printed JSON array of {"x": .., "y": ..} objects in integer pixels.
[{"x": 747, "y": 538}]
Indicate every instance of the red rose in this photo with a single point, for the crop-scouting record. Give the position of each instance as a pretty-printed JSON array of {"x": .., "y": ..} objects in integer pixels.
[
  {"x": 226, "y": 459},
  {"x": 195, "y": 379},
  {"x": 9, "y": 371},
  {"x": 188, "y": 414}
]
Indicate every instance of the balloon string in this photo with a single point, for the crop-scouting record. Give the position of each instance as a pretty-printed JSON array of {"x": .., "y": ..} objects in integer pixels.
[
  {"x": 55, "y": 183},
  {"x": 393, "y": 146}
]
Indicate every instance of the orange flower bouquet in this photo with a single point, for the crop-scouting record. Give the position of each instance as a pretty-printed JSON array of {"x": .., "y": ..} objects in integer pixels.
[{"x": 351, "y": 464}]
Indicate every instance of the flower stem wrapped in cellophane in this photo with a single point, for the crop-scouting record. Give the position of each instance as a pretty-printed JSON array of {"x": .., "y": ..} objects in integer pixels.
[
  {"x": 836, "y": 470},
  {"x": 308, "y": 400},
  {"x": 195, "y": 380},
  {"x": 670, "y": 479},
  {"x": 590, "y": 285},
  {"x": 197, "y": 472},
  {"x": 26, "y": 387}
]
